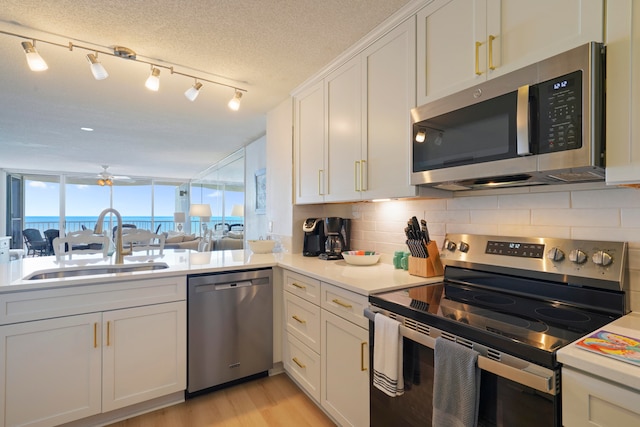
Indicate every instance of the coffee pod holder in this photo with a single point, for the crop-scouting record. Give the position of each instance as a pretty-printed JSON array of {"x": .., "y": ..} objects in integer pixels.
[{"x": 427, "y": 267}]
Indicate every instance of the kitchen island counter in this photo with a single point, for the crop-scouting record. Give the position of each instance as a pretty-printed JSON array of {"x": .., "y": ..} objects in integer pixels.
[{"x": 363, "y": 280}]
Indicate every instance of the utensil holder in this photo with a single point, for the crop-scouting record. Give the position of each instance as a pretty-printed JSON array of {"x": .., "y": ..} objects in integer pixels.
[{"x": 427, "y": 267}]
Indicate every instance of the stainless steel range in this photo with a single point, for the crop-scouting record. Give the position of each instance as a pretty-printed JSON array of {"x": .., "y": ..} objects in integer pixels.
[{"x": 514, "y": 300}]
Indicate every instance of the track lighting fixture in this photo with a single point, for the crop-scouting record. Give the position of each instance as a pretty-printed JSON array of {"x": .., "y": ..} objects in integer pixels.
[
  {"x": 153, "y": 81},
  {"x": 35, "y": 61},
  {"x": 193, "y": 92},
  {"x": 99, "y": 73},
  {"x": 234, "y": 104}
]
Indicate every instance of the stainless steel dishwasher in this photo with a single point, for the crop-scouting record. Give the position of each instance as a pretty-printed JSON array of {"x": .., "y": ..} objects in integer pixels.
[{"x": 230, "y": 327}]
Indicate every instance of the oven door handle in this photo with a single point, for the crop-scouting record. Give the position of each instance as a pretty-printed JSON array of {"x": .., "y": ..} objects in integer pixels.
[
  {"x": 536, "y": 377},
  {"x": 525, "y": 375}
]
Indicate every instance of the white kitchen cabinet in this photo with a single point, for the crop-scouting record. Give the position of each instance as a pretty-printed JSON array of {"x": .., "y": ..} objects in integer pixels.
[
  {"x": 309, "y": 145},
  {"x": 52, "y": 371},
  {"x": 593, "y": 401},
  {"x": 344, "y": 132},
  {"x": 464, "y": 42},
  {"x": 326, "y": 350},
  {"x": 623, "y": 92},
  {"x": 357, "y": 148},
  {"x": 144, "y": 354},
  {"x": 389, "y": 68},
  {"x": 345, "y": 370},
  {"x": 79, "y": 351}
]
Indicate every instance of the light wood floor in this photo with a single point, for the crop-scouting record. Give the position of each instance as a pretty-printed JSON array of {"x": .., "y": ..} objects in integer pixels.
[{"x": 269, "y": 401}]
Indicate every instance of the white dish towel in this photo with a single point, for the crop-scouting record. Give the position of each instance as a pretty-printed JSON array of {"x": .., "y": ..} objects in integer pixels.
[{"x": 387, "y": 356}]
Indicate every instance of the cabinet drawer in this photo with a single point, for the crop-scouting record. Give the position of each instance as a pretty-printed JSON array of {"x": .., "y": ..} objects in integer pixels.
[
  {"x": 303, "y": 365},
  {"x": 345, "y": 304},
  {"x": 47, "y": 303},
  {"x": 302, "y": 320},
  {"x": 302, "y": 286}
]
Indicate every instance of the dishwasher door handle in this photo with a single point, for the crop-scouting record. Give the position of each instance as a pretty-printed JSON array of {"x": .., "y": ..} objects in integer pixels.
[{"x": 222, "y": 286}]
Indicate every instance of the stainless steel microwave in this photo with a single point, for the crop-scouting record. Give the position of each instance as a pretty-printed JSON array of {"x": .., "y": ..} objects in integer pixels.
[{"x": 540, "y": 125}]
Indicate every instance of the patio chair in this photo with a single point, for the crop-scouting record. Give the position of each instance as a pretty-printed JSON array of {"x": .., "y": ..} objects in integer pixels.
[
  {"x": 49, "y": 235},
  {"x": 36, "y": 244},
  {"x": 125, "y": 229}
]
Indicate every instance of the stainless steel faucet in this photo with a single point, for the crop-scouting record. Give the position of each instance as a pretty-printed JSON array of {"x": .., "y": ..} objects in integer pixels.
[{"x": 120, "y": 252}]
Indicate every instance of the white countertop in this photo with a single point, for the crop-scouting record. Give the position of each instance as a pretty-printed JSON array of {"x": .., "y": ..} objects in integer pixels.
[
  {"x": 602, "y": 366},
  {"x": 360, "y": 279}
]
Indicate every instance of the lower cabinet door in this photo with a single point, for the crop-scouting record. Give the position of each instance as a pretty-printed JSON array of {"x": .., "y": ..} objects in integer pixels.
[
  {"x": 144, "y": 353},
  {"x": 51, "y": 370},
  {"x": 345, "y": 370}
]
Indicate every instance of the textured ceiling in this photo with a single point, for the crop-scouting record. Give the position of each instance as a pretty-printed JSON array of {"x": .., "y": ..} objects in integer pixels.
[{"x": 267, "y": 47}]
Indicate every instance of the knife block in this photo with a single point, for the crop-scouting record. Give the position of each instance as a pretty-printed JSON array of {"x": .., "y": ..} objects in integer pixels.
[{"x": 427, "y": 267}]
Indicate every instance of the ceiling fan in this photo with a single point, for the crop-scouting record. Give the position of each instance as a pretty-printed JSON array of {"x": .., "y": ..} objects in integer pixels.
[{"x": 105, "y": 178}]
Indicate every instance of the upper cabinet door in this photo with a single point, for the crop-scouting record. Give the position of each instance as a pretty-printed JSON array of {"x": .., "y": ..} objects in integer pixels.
[
  {"x": 309, "y": 145},
  {"x": 447, "y": 56},
  {"x": 523, "y": 32},
  {"x": 389, "y": 74},
  {"x": 463, "y": 42},
  {"x": 344, "y": 131},
  {"x": 623, "y": 92}
]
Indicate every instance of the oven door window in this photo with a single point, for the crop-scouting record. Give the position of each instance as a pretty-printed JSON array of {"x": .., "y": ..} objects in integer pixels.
[
  {"x": 478, "y": 133},
  {"x": 503, "y": 403}
]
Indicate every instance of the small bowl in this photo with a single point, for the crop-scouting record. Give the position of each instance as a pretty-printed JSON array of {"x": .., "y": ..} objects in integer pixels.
[
  {"x": 261, "y": 246},
  {"x": 361, "y": 257}
]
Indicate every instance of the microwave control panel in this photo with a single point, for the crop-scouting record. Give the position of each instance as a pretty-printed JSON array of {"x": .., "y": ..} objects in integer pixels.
[{"x": 560, "y": 112}]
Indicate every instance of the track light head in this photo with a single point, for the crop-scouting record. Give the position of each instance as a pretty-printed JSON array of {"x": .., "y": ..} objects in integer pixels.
[
  {"x": 193, "y": 92},
  {"x": 35, "y": 61},
  {"x": 99, "y": 73},
  {"x": 153, "y": 81},
  {"x": 234, "y": 104}
]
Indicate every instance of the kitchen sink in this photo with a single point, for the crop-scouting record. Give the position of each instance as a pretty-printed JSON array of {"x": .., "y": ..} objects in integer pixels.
[{"x": 92, "y": 270}]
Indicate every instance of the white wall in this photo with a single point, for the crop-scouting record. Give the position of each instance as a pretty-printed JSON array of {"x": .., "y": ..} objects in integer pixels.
[
  {"x": 279, "y": 160},
  {"x": 605, "y": 214},
  {"x": 255, "y": 225}
]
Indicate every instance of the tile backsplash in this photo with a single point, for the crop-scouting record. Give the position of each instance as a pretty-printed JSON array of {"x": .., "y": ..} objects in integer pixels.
[{"x": 604, "y": 214}]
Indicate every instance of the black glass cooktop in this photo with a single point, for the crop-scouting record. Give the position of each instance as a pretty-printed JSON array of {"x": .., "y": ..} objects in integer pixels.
[{"x": 532, "y": 326}]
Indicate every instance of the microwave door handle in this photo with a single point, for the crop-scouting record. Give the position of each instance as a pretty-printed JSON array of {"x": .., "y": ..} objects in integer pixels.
[{"x": 522, "y": 122}]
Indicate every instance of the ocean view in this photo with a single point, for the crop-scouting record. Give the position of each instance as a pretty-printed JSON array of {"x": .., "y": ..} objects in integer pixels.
[{"x": 74, "y": 223}]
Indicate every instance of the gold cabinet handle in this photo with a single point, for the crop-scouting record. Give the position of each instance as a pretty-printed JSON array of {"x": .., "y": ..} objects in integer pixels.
[
  {"x": 297, "y": 362},
  {"x": 298, "y": 286},
  {"x": 342, "y": 304},
  {"x": 297, "y": 319},
  {"x": 362, "y": 347},
  {"x": 108, "y": 334},
  {"x": 478, "y": 72},
  {"x": 356, "y": 166},
  {"x": 95, "y": 335},
  {"x": 363, "y": 165},
  {"x": 491, "y": 39}
]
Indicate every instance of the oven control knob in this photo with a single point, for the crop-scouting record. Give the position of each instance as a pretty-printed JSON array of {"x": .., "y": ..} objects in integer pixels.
[
  {"x": 555, "y": 254},
  {"x": 449, "y": 245},
  {"x": 577, "y": 256},
  {"x": 464, "y": 247},
  {"x": 602, "y": 258}
]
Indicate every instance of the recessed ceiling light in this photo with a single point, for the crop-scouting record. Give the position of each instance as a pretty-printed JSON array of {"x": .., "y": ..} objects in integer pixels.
[{"x": 87, "y": 129}]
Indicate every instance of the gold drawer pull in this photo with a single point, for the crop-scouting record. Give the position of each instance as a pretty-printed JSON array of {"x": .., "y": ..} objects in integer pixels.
[
  {"x": 491, "y": 39},
  {"x": 342, "y": 304},
  {"x": 298, "y": 286},
  {"x": 95, "y": 335},
  {"x": 299, "y": 320},
  {"x": 478, "y": 72},
  {"x": 108, "y": 334},
  {"x": 297, "y": 362},
  {"x": 362, "y": 347}
]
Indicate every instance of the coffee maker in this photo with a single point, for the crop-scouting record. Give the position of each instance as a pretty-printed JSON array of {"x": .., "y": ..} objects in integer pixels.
[
  {"x": 338, "y": 232},
  {"x": 314, "y": 237}
]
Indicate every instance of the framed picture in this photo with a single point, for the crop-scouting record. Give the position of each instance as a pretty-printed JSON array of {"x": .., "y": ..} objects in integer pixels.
[{"x": 261, "y": 191}]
